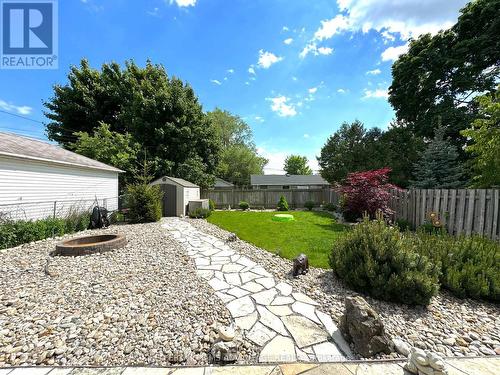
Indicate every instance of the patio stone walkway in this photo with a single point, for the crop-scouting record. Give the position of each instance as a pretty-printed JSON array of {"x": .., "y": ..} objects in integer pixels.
[
  {"x": 286, "y": 324},
  {"x": 456, "y": 366}
]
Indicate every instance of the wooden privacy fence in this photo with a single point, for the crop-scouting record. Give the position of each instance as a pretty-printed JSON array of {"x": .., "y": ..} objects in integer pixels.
[
  {"x": 268, "y": 198},
  {"x": 462, "y": 211}
]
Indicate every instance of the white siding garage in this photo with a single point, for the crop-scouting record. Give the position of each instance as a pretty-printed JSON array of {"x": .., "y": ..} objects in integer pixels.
[{"x": 39, "y": 180}]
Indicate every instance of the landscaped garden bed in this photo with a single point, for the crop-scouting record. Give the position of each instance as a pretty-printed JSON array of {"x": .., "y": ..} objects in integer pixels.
[
  {"x": 448, "y": 325},
  {"x": 141, "y": 304}
]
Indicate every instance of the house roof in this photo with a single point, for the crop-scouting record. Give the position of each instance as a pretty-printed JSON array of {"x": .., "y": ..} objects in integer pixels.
[
  {"x": 220, "y": 183},
  {"x": 22, "y": 147},
  {"x": 276, "y": 179},
  {"x": 174, "y": 180}
]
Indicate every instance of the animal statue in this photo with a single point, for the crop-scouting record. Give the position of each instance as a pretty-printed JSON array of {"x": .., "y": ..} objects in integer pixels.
[
  {"x": 232, "y": 238},
  {"x": 300, "y": 265}
]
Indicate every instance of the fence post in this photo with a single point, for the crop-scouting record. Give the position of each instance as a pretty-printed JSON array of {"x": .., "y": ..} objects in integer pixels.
[{"x": 55, "y": 208}]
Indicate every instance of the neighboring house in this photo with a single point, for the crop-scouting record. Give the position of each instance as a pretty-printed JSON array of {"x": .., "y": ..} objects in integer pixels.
[
  {"x": 176, "y": 195},
  {"x": 35, "y": 174},
  {"x": 286, "y": 182},
  {"x": 221, "y": 184}
]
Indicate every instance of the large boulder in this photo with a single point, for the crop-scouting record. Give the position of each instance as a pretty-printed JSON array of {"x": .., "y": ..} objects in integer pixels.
[{"x": 362, "y": 326}]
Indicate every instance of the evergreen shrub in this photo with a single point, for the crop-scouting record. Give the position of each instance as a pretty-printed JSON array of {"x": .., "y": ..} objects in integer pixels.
[{"x": 375, "y": 259}]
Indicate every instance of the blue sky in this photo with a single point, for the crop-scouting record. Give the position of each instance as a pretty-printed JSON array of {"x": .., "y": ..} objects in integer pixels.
[{"x": 293, "y": 69}]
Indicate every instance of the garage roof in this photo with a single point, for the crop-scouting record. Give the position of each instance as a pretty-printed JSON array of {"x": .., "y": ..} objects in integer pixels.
[
  {"x": 18, "y": 146},
  {"x": 286, "y": 179}
]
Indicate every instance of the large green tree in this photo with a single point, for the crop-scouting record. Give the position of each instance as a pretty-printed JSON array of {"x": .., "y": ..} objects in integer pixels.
[
  {"x": 238, "y": 162},
  {"x": 439, "y": 166},
  {"x": 435, "y": 81},
  {"x": 230, "y": 129},
  {"x": 353, "y": 148},
  {"x": 296, "y": 164},
  {"x": 239, "y": 158},
  {"x": 484, "y": 134},
  {"x": 116, "y": 149},
  {"x": 161, "y": 113}
]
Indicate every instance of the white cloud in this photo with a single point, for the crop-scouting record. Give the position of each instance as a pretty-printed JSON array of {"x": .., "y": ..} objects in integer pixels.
[
  {"x": 342, "y": 91},
  {"x": 315, "y": 50},
  {"x": 375, "y": 94},
  {"x": 230, "y": 71},
  {"x": 259, "y": 119},
  {"x": 183, "y": 3},
  {"x": 331, "y": 27},
  {"x": 407, "y": 18},
  {"x": 20, "y": 110},
  {"x": 282, "y": 106},
  {"x": 216, "y": 82},
  {"x": 294, "y": 78},
  {"x": 288, "y": 41},
  {"x": 266, "y": 59},
  {"x": 392, "y": 53},
  {"x": 285, "y": 28},
  {"x": 306, "y": 135},
  {"x": 374, "y": 72},
  {"x": 312, "y": 90},
  {"x": 251, "y": 70}
]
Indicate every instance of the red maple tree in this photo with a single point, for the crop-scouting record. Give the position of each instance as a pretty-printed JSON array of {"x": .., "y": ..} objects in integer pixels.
[{"x": 366, "y": 192}]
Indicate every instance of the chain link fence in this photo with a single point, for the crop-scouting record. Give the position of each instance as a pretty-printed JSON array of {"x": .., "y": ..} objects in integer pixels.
[{"x": 55, "y": 209}]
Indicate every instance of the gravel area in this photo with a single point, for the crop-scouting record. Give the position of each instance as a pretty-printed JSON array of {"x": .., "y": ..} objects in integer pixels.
[
  {"x": 142, "y": 304},
  {"x": 451, "y": 326}
]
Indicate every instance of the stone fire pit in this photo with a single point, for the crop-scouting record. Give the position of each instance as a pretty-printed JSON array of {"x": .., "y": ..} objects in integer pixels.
[{"x": 90, "y": 245}]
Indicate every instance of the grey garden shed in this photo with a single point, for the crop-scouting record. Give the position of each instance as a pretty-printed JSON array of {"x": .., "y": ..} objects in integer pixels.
[{"x": 176, "y": 195}]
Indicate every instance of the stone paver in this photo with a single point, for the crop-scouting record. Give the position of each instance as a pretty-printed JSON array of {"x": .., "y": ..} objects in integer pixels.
[
  {"x": 284, "y": 345},
  {"x": 286, "y": 324}
]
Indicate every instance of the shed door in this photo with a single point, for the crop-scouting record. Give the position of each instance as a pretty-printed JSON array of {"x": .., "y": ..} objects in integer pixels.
[{"x": 169, "y": 200}]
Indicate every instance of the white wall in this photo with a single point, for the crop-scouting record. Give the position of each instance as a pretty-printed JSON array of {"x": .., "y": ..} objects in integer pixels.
[{"x": 24, "y": 182}]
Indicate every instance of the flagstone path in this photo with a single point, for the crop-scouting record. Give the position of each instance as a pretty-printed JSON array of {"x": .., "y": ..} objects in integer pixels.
[{"x": 286, "y": 324}]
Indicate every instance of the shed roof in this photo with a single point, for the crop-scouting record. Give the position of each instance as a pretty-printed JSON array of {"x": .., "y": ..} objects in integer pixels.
[
  {"x": 22, "y": 147},
  {"x": 174, "y": 180},
  {"x": 276, "y": 179}
]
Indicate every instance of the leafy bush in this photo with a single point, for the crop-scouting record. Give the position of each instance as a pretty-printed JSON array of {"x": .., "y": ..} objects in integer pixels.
[
  {"x": 200, "y": 213},
  {"x": 309, "y": 205},
  {"x": 244, "y": 205},
  {"x": 144, "y": 203},
  {"x": 366, "y": 192},
  {"x": 211, "y": 204},
  {"x": 330, "y": 207},
  {"x": 403, "y": 225},
  {"x": 375, "y": 258},
  {"x": 14, "y": 233},
  {"x": 117, "y": 217},
  {"x": 470, "y": 265},
  {"x": 282, "y": 204}
]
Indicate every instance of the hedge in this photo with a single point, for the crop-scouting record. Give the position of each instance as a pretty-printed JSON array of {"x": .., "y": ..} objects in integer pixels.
[{"x": 15, "y": 233}]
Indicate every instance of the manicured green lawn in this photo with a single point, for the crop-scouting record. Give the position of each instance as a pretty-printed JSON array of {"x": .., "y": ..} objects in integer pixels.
[{"x": 311, "y": 233}]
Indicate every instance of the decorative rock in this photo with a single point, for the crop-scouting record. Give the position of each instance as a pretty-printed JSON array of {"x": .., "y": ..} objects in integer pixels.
[
  {"x": 226, "y": 333},
  {"x": 401, "y": 347},
  {"x": 362, "y": 326}
]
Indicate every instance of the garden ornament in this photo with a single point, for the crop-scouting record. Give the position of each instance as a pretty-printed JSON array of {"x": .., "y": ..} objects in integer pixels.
[
  {"x": 300, "y": 265},
  {"x": 422, "y": 363}
]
